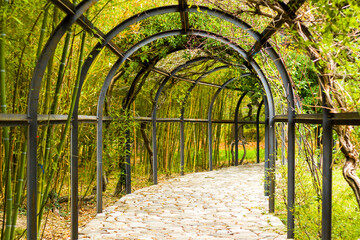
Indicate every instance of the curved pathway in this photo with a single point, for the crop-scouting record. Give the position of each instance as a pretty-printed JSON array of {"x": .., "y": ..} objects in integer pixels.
[{"x": 225, "y": 204}]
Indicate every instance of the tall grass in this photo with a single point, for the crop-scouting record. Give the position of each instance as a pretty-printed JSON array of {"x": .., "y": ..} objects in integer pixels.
[{"x": 345, "y": 211}]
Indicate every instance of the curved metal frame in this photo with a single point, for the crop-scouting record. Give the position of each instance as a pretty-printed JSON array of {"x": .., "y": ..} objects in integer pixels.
[
  {"x": 144, "y": 42},
  {"x": 128, "y": 164},
  {"x": 142, "y": 16},
  {"x": 210, "y": 113},
  {"x": 32, "y": 114},
  {"x": 257, "y": 130},
  {"x": 153, "y": 118},
  {"x": 70, "y": 19}
]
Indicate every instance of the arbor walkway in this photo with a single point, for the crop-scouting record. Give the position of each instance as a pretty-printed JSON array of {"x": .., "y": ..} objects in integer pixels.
[{"x": 224, "y": 204}]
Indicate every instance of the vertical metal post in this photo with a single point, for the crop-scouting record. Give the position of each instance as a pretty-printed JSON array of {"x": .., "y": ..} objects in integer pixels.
[
  {"x": 258, "y": 132},
  {"x": 99, "y": 142},
  {"x": 271, "y": 164},
  {"x": 182, "y": 147},
  {"x": 236, "y": 133},
  {"x": 327, "y": 173},
  {"x": 237, "y": 128},
  {"x": 155, "y": 170},
  {"x": 276, "y": 144},
  {"x": 210, "y": 141},
  {"x": 267, "y": 163},
  {"x": 291, "y": 174},
  {"x": 74, "y": 178},
  {"x": 128, "y": 164},
  {"x": 283, "y": 143},
  {"x": 32, "y": 181}
]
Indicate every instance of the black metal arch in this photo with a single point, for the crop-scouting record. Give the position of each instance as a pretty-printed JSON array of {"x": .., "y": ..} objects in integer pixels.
[
  {"x": 128, "y": 164},
  {"x": 210, "y": 114},
  {"x": 153, "y": 118},
  {"x": 142, "y": 43},
  {"x": 32, "y": 115},
  {"x": 52, "y": 43},
  {"x": 33, "y": 119},
  {"x": 236, "y": 132}
]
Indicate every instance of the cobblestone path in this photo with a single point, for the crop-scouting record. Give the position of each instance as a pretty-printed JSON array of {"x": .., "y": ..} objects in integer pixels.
[{"x": 224, "y": 204}]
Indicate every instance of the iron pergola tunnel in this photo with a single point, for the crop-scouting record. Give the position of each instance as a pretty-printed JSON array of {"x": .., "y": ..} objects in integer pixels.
[{"x": 32, "y": 119}]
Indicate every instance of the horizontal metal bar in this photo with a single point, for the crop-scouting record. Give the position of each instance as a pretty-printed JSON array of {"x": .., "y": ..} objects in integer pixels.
[
  {"x": 350, "y": 118},
  {"x": 148, "y": 119},
  {"x": 301, "y": 118},
  {"x": 43, "y": 119},
  {"x": 22, "y": 119}
]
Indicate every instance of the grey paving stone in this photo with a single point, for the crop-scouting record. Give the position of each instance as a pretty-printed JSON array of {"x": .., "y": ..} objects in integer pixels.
[{"x": 223, "y": 204}]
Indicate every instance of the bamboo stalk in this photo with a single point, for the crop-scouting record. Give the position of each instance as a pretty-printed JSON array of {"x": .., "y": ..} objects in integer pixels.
[
  {"x": 19, "y": 186},
  {"x": 49, "y": 130},
  {"x": 44, "y": 135},
  {"x": 60, "y": 146},
  {"x": 5, "y": 130},
  {"x": 42, "y": 32}
]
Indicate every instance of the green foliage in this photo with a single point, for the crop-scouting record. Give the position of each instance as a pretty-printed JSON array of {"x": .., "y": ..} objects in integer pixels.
[
  {"x": 30, "y": 23},
  {"x": 345, "y": 212},
  {"x": 115, "y": 139},
  {"x": 304, "y": 75}
]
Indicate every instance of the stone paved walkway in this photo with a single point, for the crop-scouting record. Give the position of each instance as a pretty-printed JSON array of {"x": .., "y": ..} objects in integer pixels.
[{"x": 223, "y": 204}]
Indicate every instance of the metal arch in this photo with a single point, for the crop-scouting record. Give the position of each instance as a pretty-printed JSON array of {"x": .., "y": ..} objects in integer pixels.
[
  {"x": 236, "y": 133},
  {"x": 132, "y": 20},
  {"x": 257, "y": 36},
  {"x": 153, "y": 117},
  {"x": 127, "y": 157},
  {"x": 257, "y": 129},
  {"x": 172, "y": 9},
  {"x": 141, "y": 44},
  {"x": 128, "y": 172},
  {"x": 182, "y": 111},
  {"x": 101, "y": 100},
  {"x": 291, "y": 113},
  {"x": 217, "y": 13},
  {"x": 158, "y": 11},
  {"x": 257, "y": 132},
  {"x": 32, "y": 113},
  {"x": 210, "y": 113}
]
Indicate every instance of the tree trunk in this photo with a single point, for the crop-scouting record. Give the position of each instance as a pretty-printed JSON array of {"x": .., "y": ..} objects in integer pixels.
[
  {"x": 147, "y": 144},
  {"x": 332, "y": 91}
]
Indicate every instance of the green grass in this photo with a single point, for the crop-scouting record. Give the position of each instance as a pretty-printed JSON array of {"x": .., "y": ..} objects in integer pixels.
[
  {"x": 249, "y": 158},
  {"x": 345, "y": 211}
]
